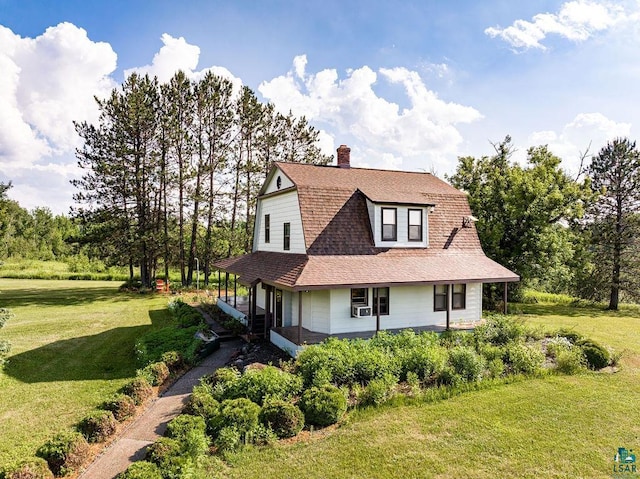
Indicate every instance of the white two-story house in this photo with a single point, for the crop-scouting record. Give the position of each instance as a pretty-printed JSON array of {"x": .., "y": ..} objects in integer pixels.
[{"x": 351, "y": 251}]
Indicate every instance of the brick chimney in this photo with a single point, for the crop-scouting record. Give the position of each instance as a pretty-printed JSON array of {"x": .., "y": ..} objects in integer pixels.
[{"x": 344, "y": 156}]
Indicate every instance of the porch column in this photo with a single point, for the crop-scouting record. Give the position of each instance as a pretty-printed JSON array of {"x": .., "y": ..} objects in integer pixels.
[
  {"x": 267, "y": 311},
  {"x": 299, "y": 317},
  {"x": 504, "y": 297},
  {"x": 254, "y": 306},
  {"x": 235, "y": 291},
  {"x": 226, "y": 287},
  {"x": 219, "y": 280},
  {"x": 377, "y": 293},
  {"x": 250, "y": 316},
  {"x": 449, "y": 298}
]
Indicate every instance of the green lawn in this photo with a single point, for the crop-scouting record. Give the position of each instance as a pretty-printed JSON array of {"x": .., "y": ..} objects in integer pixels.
[
  {"x": 556, "y": 427},
  {"x": 72, "y": 348}
]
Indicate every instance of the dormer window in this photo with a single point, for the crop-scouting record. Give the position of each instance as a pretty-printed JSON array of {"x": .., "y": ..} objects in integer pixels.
[
  {"x": 415, "y": 225},
  {"x": 389, "y": 224}
]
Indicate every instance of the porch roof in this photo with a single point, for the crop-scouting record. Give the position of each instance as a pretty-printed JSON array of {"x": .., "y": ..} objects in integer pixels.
[{"x": 299, "y": 272}]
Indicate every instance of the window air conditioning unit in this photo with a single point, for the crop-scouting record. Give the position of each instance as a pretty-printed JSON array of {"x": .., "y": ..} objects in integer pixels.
[{"x": 360, "y": 311}]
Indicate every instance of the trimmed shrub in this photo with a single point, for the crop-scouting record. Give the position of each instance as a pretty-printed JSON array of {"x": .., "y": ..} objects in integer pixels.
[
  {"x": 427, "y": 363},
  {"x": 98, "y": 426},
  {"x": 164, "y": 452},
  {"x": 141, "y": 470},
  {"x": 284, "y": 418},
  {"x": 122, "y": 407},
  {"x": 570, "y": 361},
  {"x": 496, "y": 368},
  {"x": 201, "y": 403},
  {"x": 181, "y": 426},
  {"x": 323, "y": 406},
  {"x": 173, "y": 360},
  {"x": 597, "y": 356},
  {"x": 268, "y": 382},
  {"x": 523, "y": 359},
  {"x": 241, "y": 414},
  {"x": 379, "y": 390},
  {"x": 223, "y": 383},
  {"x": 467, "y": 363},
  {"x": 32, "y": 468},
  {"x": 138, "y": 389},
  {"x": 65, "y": 452},
  {"x": 155, "y": 373}
]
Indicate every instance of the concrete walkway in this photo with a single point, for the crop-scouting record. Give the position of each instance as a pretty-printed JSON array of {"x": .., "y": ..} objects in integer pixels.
[{"x": 152, "y": 423}]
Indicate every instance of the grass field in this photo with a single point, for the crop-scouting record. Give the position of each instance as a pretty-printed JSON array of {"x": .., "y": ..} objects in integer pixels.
[
  {"x": 72, "y": 348},
  {"x": 556, "y": 427}
]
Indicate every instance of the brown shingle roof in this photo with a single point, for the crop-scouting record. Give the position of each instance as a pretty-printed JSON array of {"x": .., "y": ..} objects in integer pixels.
[{"x": 339, "y": 240}]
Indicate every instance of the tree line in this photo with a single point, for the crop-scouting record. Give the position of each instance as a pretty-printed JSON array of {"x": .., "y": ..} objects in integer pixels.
[
  {"x": 560, "y": 234},
  {"x": 171, "y": 171}
]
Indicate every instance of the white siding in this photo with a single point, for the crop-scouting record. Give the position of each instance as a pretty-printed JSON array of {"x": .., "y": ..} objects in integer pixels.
[
  {"x": 282, "y": 209},
  {"x": 273, "y": 184},
  {"x": 315, "y": 311},
  {"x": 402, "y": 226},
  {"x": 409, "y": 306}
]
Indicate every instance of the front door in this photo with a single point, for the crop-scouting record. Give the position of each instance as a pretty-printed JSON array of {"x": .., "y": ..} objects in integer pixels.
[{"x": 278, "y": 308}]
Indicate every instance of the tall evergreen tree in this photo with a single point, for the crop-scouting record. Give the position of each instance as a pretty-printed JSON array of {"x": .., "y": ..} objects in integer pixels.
[{"x": 615, "y": 174}]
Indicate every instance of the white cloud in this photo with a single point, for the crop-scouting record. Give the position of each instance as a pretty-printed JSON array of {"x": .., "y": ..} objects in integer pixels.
[
  {"x": 586, "y": 132},
  {"x": 46, "y": 83},
  {"x": 576, "y": 21},
  {"x": 394, "y": 137},
  {"x": 176, "y": 54}
]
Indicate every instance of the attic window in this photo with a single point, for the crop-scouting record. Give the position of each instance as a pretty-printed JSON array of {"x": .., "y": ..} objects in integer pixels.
[
  {"x": 389, "y": 224},
  {"x": 278, "y": 182},
  {"x": 287, "y": 237}
]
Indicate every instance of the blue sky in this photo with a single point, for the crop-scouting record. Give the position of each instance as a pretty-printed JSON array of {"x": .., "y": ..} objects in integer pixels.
[{"x": 408, "y": 85}]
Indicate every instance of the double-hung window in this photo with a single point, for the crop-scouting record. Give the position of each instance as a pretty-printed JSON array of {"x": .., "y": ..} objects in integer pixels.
[
  {"x": 459, "y": 296},
  {"x": 381, "y": 294},
  {"x": 359, "y": 296},
  {"x": 267, "y": 228},
  {"x": 389, "y": 224},
  {"x": 415, "y": 225},
  {"x": 440, "y": 297},
  {"x": 287, "y": 236}
]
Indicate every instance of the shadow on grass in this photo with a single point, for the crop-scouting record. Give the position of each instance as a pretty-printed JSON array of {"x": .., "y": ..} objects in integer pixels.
[
  {"x": 104, "y": 356},
  {"x": 56, "y": 296}
]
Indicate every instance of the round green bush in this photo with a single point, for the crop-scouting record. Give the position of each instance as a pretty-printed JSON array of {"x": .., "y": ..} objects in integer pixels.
[
  {"x": 323, "y": 406},
  {"x": 181, "y": 426},
  {"x": 571, "y": 335},
  {"x": 65, "y": 452},
  {"x": 570, "y": 361},
  {"x": 98, "y": 426},
  {"x": 173, "y": 360},
  {"x": 141, "y": 470},
  {"x": 155, "y": 373},
  {"x": 223, "y": 383},
  {"x": 138, "y": 389},
  {"x": 284, "y": 418},
  {"x": 241, "y": 414},
  {"x": 122, "y": 407},
  {"x": 596, "y": 355},
  {"x": 467, "y": 363},
  {"x": 32, "y": 468},
  {"x": 201, "y": 403},
  {"x": 165, "y": 453}
]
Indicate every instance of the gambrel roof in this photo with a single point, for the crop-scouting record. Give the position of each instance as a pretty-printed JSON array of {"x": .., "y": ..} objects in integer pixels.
[{"x": 340, "y": 248}]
